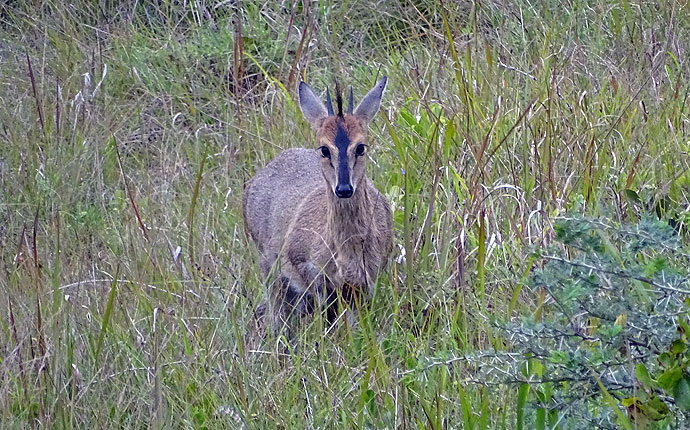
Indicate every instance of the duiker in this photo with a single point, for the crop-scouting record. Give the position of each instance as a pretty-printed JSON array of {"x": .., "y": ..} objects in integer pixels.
[{"x": 322, "y": 228}]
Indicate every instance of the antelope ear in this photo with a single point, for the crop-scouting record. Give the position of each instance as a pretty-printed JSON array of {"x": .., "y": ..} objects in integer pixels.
[
  {"x": 312, "y": 108},
  {"x": 371, "y": 103}
]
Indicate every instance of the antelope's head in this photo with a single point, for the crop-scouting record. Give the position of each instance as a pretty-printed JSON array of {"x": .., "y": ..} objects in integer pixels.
[{"x": 341, "y": 135}]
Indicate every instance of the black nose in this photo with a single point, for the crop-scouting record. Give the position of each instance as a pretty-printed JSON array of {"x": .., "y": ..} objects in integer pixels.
[{"x": 343, "y": 191}]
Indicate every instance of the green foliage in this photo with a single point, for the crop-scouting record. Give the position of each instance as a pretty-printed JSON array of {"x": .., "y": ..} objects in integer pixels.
[{"x": 617, "y": 323}]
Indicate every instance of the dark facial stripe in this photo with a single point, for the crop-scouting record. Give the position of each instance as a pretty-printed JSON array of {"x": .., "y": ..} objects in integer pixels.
[{"x": 342, "y": 142}]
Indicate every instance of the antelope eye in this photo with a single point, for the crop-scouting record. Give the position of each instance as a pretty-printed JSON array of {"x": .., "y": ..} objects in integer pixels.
[
  {"x": 325, "y": 153},
  {"x": 359, "y": 150}
]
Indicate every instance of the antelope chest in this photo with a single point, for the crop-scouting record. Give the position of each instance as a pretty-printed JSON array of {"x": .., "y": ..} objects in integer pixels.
[{"x": 354, "y": 264}]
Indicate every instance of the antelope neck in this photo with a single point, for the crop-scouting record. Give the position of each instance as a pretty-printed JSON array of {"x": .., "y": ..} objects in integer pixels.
[{"x": 349, "y": 218}]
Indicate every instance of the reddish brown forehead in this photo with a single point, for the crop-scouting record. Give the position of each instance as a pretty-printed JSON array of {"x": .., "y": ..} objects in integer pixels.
[{"x": 349, "y": 123}]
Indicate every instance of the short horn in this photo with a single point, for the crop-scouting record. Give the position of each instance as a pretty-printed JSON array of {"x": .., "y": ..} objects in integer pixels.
[
  {"x": 329, "y": 105},
  {"x": 351, "y": 105}
]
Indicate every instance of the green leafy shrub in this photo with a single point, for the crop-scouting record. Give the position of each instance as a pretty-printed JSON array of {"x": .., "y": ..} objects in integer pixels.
[{"x": 613, "y": 351}]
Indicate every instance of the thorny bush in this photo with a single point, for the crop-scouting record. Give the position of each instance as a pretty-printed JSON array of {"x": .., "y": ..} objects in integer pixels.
[{"x": 615, "y": 348}]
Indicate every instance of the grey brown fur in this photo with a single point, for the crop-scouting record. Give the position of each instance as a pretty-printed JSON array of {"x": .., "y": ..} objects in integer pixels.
[{"x": 314, "y": 245}]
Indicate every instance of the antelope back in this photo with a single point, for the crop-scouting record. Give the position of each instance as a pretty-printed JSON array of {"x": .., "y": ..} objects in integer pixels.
[{"x": 272, "y": 196}]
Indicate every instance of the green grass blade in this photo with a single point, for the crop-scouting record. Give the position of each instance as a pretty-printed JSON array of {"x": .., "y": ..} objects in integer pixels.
[
  {"x": 107, "y": 315},
  {"x": 622, "y": 419},
  {"x": 523, "y": 392}
]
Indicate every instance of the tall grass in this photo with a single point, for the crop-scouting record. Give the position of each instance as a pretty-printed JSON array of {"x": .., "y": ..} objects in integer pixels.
[{"x": 128, "y": 130}]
